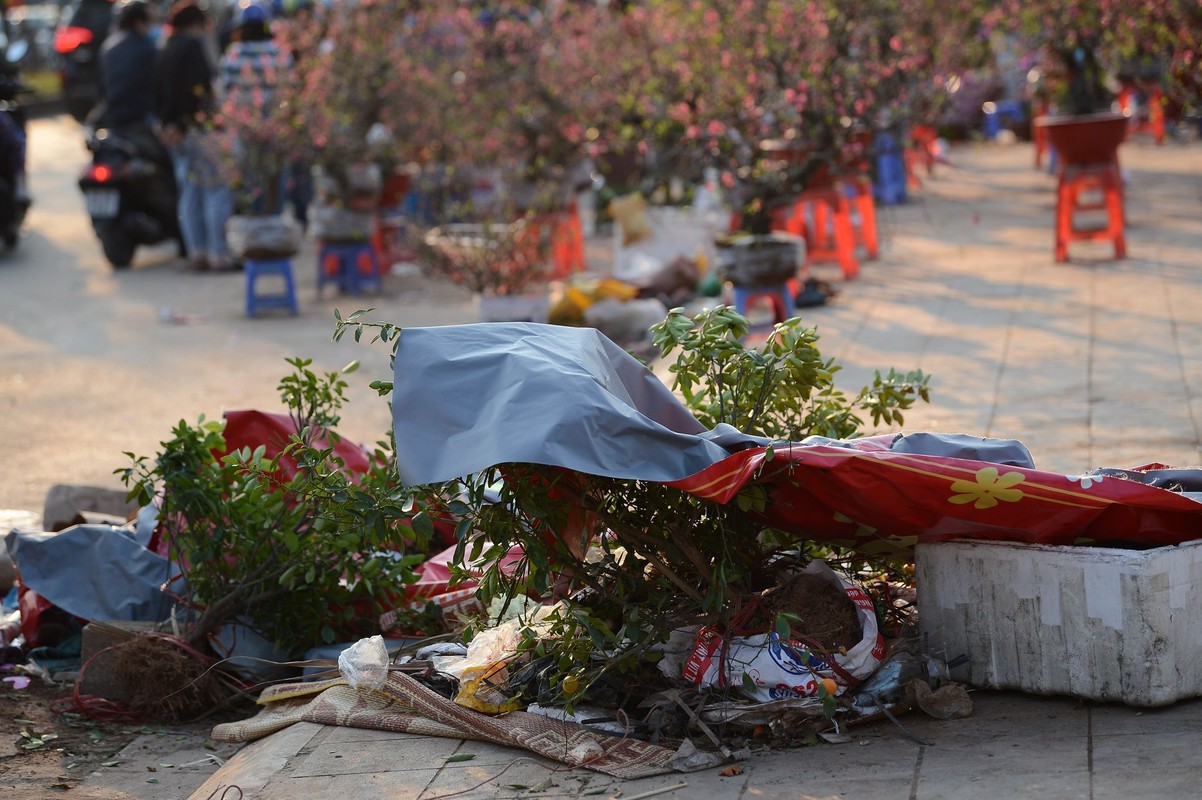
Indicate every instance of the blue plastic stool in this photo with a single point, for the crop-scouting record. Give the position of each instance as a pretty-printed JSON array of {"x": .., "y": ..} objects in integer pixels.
[
  {"x": 1012, "y": 111},
  {"x": 778, "y": 296},
  {"x": 343, "y": 263},
  {"x": 256, "y": 301},
  {"x": 889, "y": 186}
]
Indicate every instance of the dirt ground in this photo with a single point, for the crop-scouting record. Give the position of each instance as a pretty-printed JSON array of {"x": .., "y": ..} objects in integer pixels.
[{"x": 46, "y": 754}]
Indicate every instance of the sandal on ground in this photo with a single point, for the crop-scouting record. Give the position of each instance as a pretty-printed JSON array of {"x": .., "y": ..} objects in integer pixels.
[{"x": 197, "y": 263}]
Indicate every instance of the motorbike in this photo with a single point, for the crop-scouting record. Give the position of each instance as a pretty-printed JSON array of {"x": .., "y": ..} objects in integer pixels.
[
  {"x": 130, "y": 192},
  {"x": 13, "y": 205}
]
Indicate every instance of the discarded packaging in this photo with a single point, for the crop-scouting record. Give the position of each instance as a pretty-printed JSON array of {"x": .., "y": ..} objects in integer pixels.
[
  {"x": 598, "y": 719},
  {"x": 785, "y": 668},
  {"x": 365, "y": 663},
  {"x": 485, "y": 667}
]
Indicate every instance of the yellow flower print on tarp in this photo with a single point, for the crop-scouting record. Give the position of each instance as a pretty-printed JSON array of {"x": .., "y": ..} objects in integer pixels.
[{"x": 988, "y": 489}]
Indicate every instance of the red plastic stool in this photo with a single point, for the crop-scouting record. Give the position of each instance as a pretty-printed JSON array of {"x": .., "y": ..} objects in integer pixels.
[
  {"x": 861, "y": 196},
  {"x": 1153, "y": 122},
  {"x": 1039, "y": 135},
  {"x": 1077, "y": 180},
  {"x": 567, "y": 243},
  {"x": 778, "y": 296},
  {"x": 829, "y": 232}
]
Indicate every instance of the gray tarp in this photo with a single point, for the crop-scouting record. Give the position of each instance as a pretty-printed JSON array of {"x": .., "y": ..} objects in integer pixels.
[
  {"x": 94, "y": 572},
  {"x": 468, "y": 397}
]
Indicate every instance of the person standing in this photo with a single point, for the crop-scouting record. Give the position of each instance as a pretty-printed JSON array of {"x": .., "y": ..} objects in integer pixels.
[
  {"x": 127, "y": 64},
  {"x": 186, "y": 105},
  {"x": 248, "y": 73}
]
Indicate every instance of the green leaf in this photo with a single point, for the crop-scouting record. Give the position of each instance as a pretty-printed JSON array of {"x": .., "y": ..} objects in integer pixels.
[
  {"x": 460, "y": 757},
  {"x": 110, "y": 763},
  {"x": 783, "y": 629}
]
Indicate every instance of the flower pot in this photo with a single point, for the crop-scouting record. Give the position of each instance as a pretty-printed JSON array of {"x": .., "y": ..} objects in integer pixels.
[
  {"x": 760, "y": 260},
  {"x": 263, "y": 237},
  {"x": 1084, "y": 138}
]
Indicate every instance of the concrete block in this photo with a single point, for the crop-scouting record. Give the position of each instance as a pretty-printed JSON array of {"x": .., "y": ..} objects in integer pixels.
[
  {"x": 1097, "y": 623},
  {"x": 65, "y": 501}
]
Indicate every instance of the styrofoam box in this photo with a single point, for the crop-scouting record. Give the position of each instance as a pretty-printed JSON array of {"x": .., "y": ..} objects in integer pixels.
[{"x": 1091, "y": 622}]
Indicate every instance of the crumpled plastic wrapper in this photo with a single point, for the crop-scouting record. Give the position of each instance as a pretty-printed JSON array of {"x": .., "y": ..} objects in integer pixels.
[{"x": 365, "y": 663}]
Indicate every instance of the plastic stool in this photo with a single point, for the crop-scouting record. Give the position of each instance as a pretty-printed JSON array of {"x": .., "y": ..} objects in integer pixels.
[
  {"x": 1152, "y": 98},
  {"x": 1012, "y": 111},
  {"x": 829, "y": 232},
  {"x": 889, "y": 184},
  {"x": 353, "y": 266},
  {"x": 1077, "y": 179},
  {"x": 859, "y": 191},
  {"x": 256, "y": 301},
  {"x": 779, "y": 296},
  {"x": 567, "y": 243}
]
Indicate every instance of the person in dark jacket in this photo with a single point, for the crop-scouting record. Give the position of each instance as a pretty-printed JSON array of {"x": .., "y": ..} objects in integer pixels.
[
  {"x": 185, "y": 103},
  {"x": 127, "y": 66}
]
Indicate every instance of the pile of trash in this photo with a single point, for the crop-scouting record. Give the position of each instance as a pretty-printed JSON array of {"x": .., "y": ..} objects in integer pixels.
[
  {"x": 701, "y": 699},
  {"x": 796, "y": 659}
]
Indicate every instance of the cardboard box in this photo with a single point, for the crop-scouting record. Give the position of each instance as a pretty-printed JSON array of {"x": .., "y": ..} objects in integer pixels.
[{"x": 1091, "y": 622}]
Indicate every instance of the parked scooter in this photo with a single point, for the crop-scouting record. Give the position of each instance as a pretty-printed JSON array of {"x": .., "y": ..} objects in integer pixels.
[
  {"x": 14, "y": 203},
  {"x": 130, "y": 193}
]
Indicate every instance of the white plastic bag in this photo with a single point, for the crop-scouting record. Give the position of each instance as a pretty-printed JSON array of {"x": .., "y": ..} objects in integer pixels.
[
  {"x": 785, "y": 669},
  {"x": 625, "y": 321},
  {"x": 672, "y": 232},
  {"x": 365, "y": 663}
]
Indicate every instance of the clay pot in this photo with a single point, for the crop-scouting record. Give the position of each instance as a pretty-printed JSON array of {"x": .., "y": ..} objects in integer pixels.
[{"x": 1084, "y": 138}]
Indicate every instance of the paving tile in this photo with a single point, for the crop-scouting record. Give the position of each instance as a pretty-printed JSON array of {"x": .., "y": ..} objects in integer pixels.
[
  {"x": 989, "y": 780},
  {"x": 347, "y": 735},
  {"x": 802, "y": 787},
  {"x": 1176, "y": 748},
  {"x": 339, "y": 756},
  {"x": 1130, "y": 783},
  {"x": 516, "y": 777},
  {"x": 491, "y": 754},
  {"x": 703, "y": 785},
  {"x": 365, "y": 786},
  {"x": 1184, "y": 717}
]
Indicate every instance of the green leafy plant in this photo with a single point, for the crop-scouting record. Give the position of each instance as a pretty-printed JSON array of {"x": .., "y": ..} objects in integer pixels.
[
  {"x": 640, "y": 559},
  {"x": 295, "y": 546},
  {"x": 783, "y": 389}
]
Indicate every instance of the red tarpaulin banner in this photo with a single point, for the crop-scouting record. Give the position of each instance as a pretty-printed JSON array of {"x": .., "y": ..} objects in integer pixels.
[{"x": 883, "y": 502}]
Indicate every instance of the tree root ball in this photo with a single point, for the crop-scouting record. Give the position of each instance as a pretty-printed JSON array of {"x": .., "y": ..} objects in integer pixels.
[
  {"x": 827, "y": 615},
  {"x": 165, "y": 682}
]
